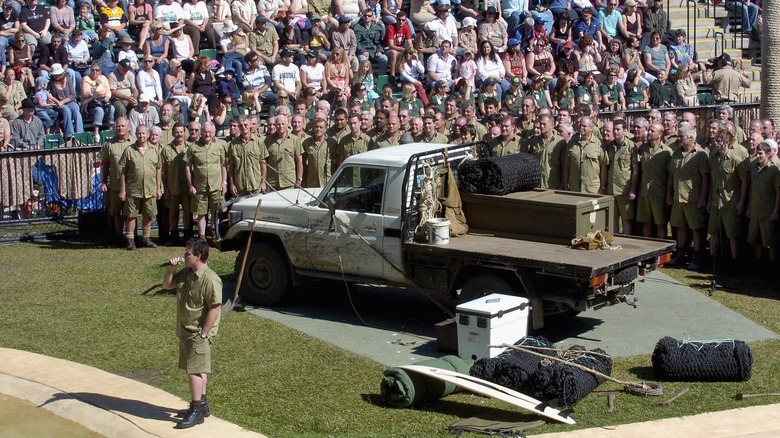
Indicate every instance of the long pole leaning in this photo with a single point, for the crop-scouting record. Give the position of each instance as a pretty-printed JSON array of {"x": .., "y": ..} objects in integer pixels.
[{"x": 231, "y": 304}]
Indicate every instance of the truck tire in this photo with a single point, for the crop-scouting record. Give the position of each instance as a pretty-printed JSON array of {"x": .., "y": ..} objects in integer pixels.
[
  {"x": 626, "y": 276},
  {"x": 484, "y": 284},
  {"x": 266, "y": 279}
]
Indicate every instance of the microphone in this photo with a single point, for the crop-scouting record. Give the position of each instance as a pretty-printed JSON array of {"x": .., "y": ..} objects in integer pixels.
[{"x": 168, "y": 263}]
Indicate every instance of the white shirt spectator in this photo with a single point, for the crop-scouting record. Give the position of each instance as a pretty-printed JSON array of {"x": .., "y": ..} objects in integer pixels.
[
  {"x": 168, "y": 13},
  {"x": 196, "y": 13},
  {"x": 255, "y": 79},
  {"x": 149, "y": 84},
  {"x": 244, "y": 9},
  {"x": 412, "y": 73},
  {"x": 288, "y": 76},
  {"x": 441, "y": 67},
  {"x": 487, "y": 68},
  {"x": 447, "y": 30}
]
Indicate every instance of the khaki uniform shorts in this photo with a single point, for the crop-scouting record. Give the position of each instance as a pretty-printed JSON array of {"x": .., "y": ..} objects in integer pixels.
[
  {"x": 195, "y": 355},
  {"x": 687, "y": 214},
  {"x": 727, "y": 219},
  {"x": 115, "y": 206},
  {"x": 762, "y": 231},
  {"x": 147, "y": 207},
  {"x": 184, "y": 200},
  {"x": 625, "y": 207},
  {"x": 202, "y": 203},
  {"x": 651, "y": 210}
]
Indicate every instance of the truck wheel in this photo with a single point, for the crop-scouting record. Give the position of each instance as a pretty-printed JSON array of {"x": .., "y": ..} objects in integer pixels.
[
  {"x": 626, "y": 276},
  {"x": 484, "y": 284},
  {"x": 265, "y": 280}
]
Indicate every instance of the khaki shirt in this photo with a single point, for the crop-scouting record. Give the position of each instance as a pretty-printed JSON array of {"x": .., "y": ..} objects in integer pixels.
[
  {"x": 166, "y": 136},
  {"x": 264, "y": 42},
  {"x": 282, "y": 154},
  {"x": 246, "y": 158},
  {"x": 337, "y": 136},
  {"x": 17, "y": 95},
  {"x": 527, "y": 129},
  {"x": 551, "y": 158},
  {"x": 110, "y": 153},
  {"x": 764, "y": 184},
  {"x": 726, "y": 176},
  {"x": 499, "y": 148},
  {"x": 141, "y": 171},
  {"x": 383, "y": 141},
  {"x": 654, "y": 170},
  {"x": 688, "y": 170},
  {"x": 317, "y": 161},
  {"x": 349, "y": 146},
  {"x": 437, "y": 138},
  {"x": 124, "y": 86},
  {"x": 196, "y": 292},
  {"x": 205, "y": 165},
  {"x": 621, "y": 160},
  {"x": 584, "y": 162},
  {"x": 173, "y": 164}
]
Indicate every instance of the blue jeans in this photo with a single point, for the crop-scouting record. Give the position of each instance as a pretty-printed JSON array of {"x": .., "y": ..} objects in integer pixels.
[
  {"x": 98, "y": 112},
  {"x": 47, "y": 115},
  {"x": 747, "y": 12},
  {"x": 70, "y": 115},
  {"x": 236, "y": 61},
  {"x": 513, "y": 23}
]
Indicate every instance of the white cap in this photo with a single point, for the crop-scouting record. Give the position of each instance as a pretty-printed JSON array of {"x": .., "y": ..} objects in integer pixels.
[
  {"x": 144, "y": 98},
  {"x": 431, "y": 26},
  {"x": 469, "y": 21}
]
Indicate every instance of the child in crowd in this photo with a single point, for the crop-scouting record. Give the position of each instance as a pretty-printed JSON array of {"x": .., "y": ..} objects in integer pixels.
[
  {"x": 43, "y": 108},
  {"x": 487, "y": 90},
  {"x": 126, "y": 52},
  {"x": 85, "y": 22},
  {"x": 468, "y": 69},
  {"x": 365, "y": 76},
  {"x": 439, "y": 95}
]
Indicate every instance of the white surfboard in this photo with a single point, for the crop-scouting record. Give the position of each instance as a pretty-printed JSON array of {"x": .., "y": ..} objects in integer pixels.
[{"x": 493, "y": 390}]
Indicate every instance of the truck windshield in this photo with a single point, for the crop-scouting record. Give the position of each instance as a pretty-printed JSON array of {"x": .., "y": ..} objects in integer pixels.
[{"x": 359, "y": 189}]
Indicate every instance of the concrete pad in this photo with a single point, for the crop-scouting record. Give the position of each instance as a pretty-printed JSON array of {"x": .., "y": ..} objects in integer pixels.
[
  {"x": 395, "y": 326},
  {"x": 752, "y": 422},
  {"x": 108, "y": 404}
]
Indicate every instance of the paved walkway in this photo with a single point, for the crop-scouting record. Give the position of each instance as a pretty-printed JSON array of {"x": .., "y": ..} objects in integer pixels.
[{"x": 108, "y": 404}]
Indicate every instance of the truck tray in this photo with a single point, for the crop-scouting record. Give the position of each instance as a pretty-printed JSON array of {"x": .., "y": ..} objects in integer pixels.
[{"x": 542, "y": 215}]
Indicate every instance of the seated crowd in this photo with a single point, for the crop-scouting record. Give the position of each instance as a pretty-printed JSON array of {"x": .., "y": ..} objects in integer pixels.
[{"x": 293, "y": 88}]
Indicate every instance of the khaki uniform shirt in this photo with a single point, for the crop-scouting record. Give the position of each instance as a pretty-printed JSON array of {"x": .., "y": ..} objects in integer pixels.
[
  {"x": 196, "y": 292},
  {"x": 584, "y": 162},
  {"x": 688, "y": 170},
  {"x": 621, "y": 159},
  {"x": 764, "y": 184},
  {"x": 281, "y": 156},
  {"x": 526, "y": 128},
  {"x": 337, "y": 136},
  {"x": 264, "y": 42},
  {"x": 140, "y": 170},
  {"x": 166, "y": 136},
  {"x": 205, "y": 166},
  {"x": 437, "y": 138},
  {"x": 173, "y": 163},
  {"x": 110, "y": 153},
  {"x": 653, "y": 168},
  {"x": 551, "y": 157},
  {"x": 349, "y": 146},
  {"x": 384, "y": 141},
  {"x": 246, "y": 158},
  {"x": 725, "y": 174},
  {"x": 17, "y": 95},
  {"x": 498, "y": 148},
  {"x": 317, "y": 161}
]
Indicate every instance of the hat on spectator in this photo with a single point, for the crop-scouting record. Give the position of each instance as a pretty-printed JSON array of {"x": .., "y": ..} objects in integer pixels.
[
  {"x": 469, "y": 21},
  {"x": 726, "y": 58},
  {"x": 442, "y": 6},
  {"x": 512, "y": 42},
  {"x": 569, "y": 45},
  {"x": 282, "y": 93},
  {"x": 28, "y": 104},
  {"x": 286, "y": 52},
  {"x": 431, "y": 26},
  {"x": 229, "y": 28},
  {"x": 56, "y": 69},
  {"x": 490, "y": 10},
  {"x": 590, "y": 10},
  {"x": 630, "y": 3},
  {"x": 311, "y": 54},
  {"x": 126, "y": 40},
  {"x": 40, "y": 82},
  {"x": 516, "y": 81},
  {"x": 261, "y": 19},
  {"x": 229, "y": 70},
  {"x": 490, "y": 81},
  {"x": 125, "y": 64},
  {"x": 144, "y": 98},
  {"x": 614, "y": 40},
  {"x": 529, "y": 22},
  {"x": 315, "y": 17},
  {"x": 344, "y": 19},
  {"x": 440, "y": 84},
  {"x": 539, "y": 20},
  {"x": 390, "y": 19}
]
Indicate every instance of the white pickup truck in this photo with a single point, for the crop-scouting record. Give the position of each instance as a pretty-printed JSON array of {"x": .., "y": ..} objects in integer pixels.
[{"x": 361, "y": 228}]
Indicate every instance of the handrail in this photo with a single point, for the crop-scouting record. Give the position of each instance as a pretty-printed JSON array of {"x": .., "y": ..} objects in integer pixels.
[{"x": 722, "y": 42}]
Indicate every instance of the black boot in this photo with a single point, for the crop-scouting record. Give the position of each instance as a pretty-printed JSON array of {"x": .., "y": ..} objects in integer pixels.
[
  {"x": 696, "y": 262},
  {"x": 175, "y": 240},
  {"x": 193, "y": 417},
  {"x": 678, "y": 258},
  {"x": 204, "y": 407}
]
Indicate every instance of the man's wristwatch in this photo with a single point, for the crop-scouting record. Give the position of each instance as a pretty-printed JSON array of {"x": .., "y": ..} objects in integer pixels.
[{"x": 203, "y": 335}]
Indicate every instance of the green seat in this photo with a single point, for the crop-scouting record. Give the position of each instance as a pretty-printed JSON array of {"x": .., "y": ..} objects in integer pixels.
[
  {"x": 705, "y": 98},
  {"x": 106, "y": 135},
  {"x": 53, "y": 141},
  {"x": 210, "y": 53},
  {"x": 381, "y": 81},
  {"x": 83, "y": 139}
]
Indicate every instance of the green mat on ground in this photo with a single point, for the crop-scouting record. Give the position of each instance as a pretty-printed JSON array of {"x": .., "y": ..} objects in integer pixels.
[{"x": 401, "y": 389}]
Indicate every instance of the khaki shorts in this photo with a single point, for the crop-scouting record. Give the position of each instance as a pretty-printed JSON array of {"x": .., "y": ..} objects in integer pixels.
[
  {"x": 184, "y": 200},
  {"x": 727, "y": 219},
  {"x": 195, "y": 355},
  {"x": 202, "y": 203},
  {"x": 626, "y": 208},
  {"x": 651, "y": 210},
  {"x": 687, "y": 214},
  {"x": 115, "y": 206},
  {"x": 147, "y": 207},
  {"x": 762, "y": 231}
]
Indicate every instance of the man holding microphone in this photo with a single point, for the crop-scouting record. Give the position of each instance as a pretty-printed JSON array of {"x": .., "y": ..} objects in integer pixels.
[{"x": 198, "y": 302}]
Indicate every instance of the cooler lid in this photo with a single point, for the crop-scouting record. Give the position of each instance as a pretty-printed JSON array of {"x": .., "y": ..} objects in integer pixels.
[{"x": 492, "y": 305}]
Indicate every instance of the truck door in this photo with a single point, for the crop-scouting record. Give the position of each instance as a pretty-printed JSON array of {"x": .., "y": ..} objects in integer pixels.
[{"x": 354, "y": 240}]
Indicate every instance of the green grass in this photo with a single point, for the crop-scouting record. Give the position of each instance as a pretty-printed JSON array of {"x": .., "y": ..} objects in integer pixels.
[{"x": 103, "y": 307}]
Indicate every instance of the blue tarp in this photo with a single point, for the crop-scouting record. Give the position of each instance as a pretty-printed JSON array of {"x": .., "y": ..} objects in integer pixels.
[{"x": 46, "y": 175}]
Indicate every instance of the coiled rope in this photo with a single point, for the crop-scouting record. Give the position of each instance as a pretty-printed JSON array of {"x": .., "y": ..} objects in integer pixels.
[{"x": 429, "y": 203}]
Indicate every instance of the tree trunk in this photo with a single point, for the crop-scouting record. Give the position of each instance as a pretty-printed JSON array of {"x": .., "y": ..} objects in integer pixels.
[{"x": 770, "y": 61}]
